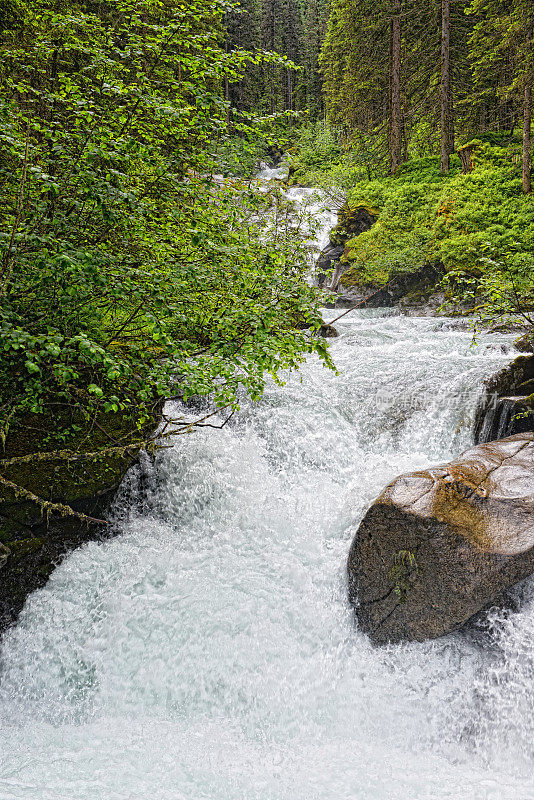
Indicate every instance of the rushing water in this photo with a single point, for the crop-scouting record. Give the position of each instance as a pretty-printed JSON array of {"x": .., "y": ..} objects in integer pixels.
[
  {"x": 208, "y": 651},
  {"x": 311, "y": 203}
]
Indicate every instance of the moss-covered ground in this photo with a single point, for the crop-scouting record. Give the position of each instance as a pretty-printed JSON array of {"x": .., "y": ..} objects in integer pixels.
[{"x": 475, "y": 224}]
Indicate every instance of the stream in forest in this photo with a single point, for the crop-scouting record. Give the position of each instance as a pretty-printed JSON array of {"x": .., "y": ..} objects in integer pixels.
[{"x": 208, "y": 651}]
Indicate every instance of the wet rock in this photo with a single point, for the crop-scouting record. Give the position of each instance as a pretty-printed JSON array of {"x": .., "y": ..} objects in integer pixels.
[
  {"x": 439, "y": 545},
  {"x": 506, "y": 416},
  {"x": 327, "y": 261},
  {"x": 525, "y": 343},
  {"x": 413, "y": 292},
  {"x": 351, "y": 222},
  {"x": 273, "y": 155},
  {"x": 454, "y": 325},
  {"x": 506, "y": 407},
  {"x": 325, "y": 330},
  {"x": 328, "y": 331},
  {"x": 32, "y": 543}
]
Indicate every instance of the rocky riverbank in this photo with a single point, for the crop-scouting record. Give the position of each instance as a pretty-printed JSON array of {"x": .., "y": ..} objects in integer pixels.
[
  {"x": 36, "y": 534},
  {"x": 417, "y": 291},
  {"x": 507, "y": 405}
]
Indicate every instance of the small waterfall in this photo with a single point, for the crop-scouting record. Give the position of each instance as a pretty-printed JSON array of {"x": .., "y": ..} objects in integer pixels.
[
  {"x": 311, "y": 201},
  {"x": 267, "y": 173},
  {"x": 503, "y": 416}
]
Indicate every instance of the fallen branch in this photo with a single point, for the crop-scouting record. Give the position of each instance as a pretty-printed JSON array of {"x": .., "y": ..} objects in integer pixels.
[{"x": 360, "y": 303}]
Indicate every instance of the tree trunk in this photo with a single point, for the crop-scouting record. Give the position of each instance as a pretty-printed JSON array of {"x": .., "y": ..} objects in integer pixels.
[
  {"x": 226, "y": 84},
  {"x": 527, "y": 119},
  {"x": 465, "y": 154},
  {"x": 50, "y": 112},
  {"x": 395, "y": 131},
  {"x": 272, "y": 25},
  {"x": 227, "y": 98},
  {"x": 447, "y": 135}
]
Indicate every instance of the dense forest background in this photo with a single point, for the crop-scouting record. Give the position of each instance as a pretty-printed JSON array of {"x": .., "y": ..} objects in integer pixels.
[
  {"x": 395, "y": 78},
  {"x": 420, "y": 111}
]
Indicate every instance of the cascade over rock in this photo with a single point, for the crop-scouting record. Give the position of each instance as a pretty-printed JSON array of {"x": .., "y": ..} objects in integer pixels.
[
  {"x": 328, "y": 258},
  {"x": 439, "y": 545},
  {"x": 506, "y": 407},
  {"x": 350, "y": 223},
  {"x": 33, "y": 543}
]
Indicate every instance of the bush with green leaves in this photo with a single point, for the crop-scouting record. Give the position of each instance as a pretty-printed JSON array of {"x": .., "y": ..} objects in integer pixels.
[
  {"x": 316, "y": 147},
  {"x": 126, "y": 272}
]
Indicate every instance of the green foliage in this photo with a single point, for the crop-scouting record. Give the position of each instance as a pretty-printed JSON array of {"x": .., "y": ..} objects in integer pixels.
[
  {"x": 317, "y": 148},
  {"x": 474, "y": 224},
  {"x": 237, "y": 156},
  {"x": 323, "y": 157},
  {"x": 126, "y": 272},
  {"x": 289, "y": 27},
  {"x": 354, "y": 52},
  {"x": 500, "y": 52}
]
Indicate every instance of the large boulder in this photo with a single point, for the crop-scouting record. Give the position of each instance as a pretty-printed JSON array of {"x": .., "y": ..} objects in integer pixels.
[{"x": 439, "y": 545}]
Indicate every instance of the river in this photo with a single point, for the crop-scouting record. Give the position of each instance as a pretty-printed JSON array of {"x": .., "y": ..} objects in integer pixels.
[{"x": 208, "y": 651}]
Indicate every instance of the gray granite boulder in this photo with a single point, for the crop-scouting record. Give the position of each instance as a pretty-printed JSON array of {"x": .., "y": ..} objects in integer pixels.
[{"x": 439, "y": 545}]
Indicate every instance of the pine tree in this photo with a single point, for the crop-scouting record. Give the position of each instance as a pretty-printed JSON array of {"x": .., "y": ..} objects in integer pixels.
[
  {"x": 502, "y": 45},
  {"x": 314, "y": 15},
  {"x": 447, "y": 134},
  {"x": 395, "y": 114}
]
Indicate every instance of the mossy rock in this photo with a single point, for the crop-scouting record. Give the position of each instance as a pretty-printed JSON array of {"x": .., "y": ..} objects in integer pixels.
[
  {"x": 61, "y": 480},
  {"x": 375, "y": 290},
  {"x": 525, "y": 343},
  {"x": 32, "y": 543},
  {"x": 358, "y": 275},
  {"x": 352, "y": 222}
]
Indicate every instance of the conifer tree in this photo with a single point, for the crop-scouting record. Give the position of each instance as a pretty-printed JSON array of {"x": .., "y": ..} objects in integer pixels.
[
  {"x": 502, "y": 45},
  {"x": 395, "y": 100},
  {"x": 447, "y": 135}
]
